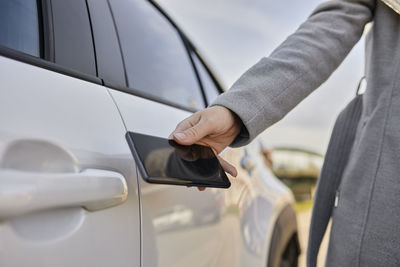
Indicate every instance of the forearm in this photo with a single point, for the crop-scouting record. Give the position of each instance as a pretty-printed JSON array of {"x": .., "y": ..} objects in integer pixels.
[{"x": 276, "y": 84}]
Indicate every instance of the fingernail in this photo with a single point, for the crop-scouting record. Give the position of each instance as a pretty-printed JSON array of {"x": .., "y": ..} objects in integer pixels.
[{"x": 180, "y": 136}]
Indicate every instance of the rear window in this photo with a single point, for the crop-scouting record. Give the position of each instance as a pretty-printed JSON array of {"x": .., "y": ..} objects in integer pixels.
[
  {"x": 19, "y": 26},
  {"x": 156, "y": 59}
]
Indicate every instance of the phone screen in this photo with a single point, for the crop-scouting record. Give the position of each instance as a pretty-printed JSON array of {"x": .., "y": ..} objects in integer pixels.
[{"x": 167, "y": 162}]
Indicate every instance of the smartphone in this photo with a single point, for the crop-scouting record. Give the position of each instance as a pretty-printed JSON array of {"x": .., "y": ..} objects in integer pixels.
[{"x": 163, "y": 161}]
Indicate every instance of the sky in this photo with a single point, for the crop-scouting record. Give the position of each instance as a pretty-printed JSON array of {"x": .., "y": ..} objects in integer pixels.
[{"x": 232, "y": 35}]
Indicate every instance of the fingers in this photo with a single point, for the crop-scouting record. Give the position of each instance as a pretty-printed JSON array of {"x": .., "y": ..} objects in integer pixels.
[
  {"x": 229, "y": 168},
  {"x": 192, "y": 129},
  {"x": 192, "y": 134},
  {"x": 185, "y": 124}
]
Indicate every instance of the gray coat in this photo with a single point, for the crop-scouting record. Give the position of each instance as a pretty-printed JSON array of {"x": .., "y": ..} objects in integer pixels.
[{"x": 366, "y": 222}]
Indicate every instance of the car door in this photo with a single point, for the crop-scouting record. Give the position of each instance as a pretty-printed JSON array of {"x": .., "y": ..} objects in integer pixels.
[
  {"x": 65, "y": 167},
  {"x": 180, "y": 226},
  {"x": 257, "y": 197},
  {"x": 159, "y": 88}
]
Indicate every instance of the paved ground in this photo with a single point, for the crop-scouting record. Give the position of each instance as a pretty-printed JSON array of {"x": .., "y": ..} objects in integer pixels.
[{"x": 303, "y": 220}]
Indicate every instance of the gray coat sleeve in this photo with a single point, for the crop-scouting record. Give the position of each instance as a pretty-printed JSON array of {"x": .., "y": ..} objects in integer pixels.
[{"x": 276, "y": 84}]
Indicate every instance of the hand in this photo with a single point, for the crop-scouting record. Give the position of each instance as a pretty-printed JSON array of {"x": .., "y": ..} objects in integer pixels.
[{"x": 215, "y": 127}]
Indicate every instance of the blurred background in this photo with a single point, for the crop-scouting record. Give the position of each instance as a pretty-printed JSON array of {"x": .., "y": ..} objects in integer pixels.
[{"x": 232, "y": 35}]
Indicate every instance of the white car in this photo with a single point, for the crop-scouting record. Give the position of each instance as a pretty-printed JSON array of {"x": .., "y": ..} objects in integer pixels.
[{"x": 75, "y": 76}]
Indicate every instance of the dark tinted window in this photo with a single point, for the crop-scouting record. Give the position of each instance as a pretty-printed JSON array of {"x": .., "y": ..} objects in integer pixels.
[
  {"x": 155, "y": 57},
  {"x": 209, "y": 86},
  {"x": 19, "y": 26},
  {"x": 72, "y": 36}
]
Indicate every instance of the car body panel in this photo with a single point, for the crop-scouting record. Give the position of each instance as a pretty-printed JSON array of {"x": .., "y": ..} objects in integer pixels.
[
  {"x": 52, "y": 124},
  {"x": 185, "y": 227},
  {"x": 181, "y": 226}
]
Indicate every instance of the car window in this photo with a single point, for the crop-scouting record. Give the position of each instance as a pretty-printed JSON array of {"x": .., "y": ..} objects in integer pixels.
[
  {"x": 19, "y": 26},
  {"x": 156, "y": 60},
  {"x": 73, "y": 36},
  {"x": 209, "y": 87}
]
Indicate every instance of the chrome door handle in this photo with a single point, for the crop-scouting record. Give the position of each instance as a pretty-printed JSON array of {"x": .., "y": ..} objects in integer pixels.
[{"x": 22, "y": 192}]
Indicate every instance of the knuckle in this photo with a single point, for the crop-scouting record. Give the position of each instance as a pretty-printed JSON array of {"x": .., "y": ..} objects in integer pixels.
[
  {"x": 183, "y": 125},
  {"x": 207, "y": 121},
  {"x": 180, "y": 125},
  {"x": 191, "y": 132}
]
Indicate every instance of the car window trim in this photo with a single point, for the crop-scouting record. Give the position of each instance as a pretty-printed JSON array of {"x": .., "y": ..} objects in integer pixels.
[
  {"x": 82, "y": 34},
  {"x": 48, "y": 65},
  {"x": 41, "y": 24},
  {"x": 135, "y": 92},
  {"x": 46, "y": 30},
  {"x": 217, "y": 83},
  {"x": 92, "y": 35},
  {"x": 105, "y": 42},
  {"x": 199, "y": 63},
  {"x": 196, "y": 72}
]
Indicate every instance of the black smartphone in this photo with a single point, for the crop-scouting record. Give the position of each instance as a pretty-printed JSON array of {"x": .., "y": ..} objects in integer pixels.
[{"x": 163, "y": 161}]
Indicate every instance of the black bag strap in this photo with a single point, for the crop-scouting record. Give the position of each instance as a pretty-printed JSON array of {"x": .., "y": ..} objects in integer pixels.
[{"x": 336, "y": 159}]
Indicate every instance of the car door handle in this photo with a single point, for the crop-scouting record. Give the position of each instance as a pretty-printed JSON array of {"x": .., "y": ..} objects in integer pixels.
[{"x": 22, "y": 192}]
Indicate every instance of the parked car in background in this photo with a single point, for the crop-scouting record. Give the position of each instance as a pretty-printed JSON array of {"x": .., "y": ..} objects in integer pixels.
[
  {"x": 298, "y": 168},
  {"x": 75, "y": 77}
]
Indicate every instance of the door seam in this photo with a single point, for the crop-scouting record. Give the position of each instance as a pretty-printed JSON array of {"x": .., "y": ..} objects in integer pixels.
[{"x": 137, "y": 182}]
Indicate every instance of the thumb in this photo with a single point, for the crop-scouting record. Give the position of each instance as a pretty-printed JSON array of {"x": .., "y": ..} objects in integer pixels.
[{"x": 192, "y": 134}]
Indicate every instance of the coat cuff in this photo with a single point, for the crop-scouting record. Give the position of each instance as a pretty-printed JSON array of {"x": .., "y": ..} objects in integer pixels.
[{"x": 246, "y": 114}]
